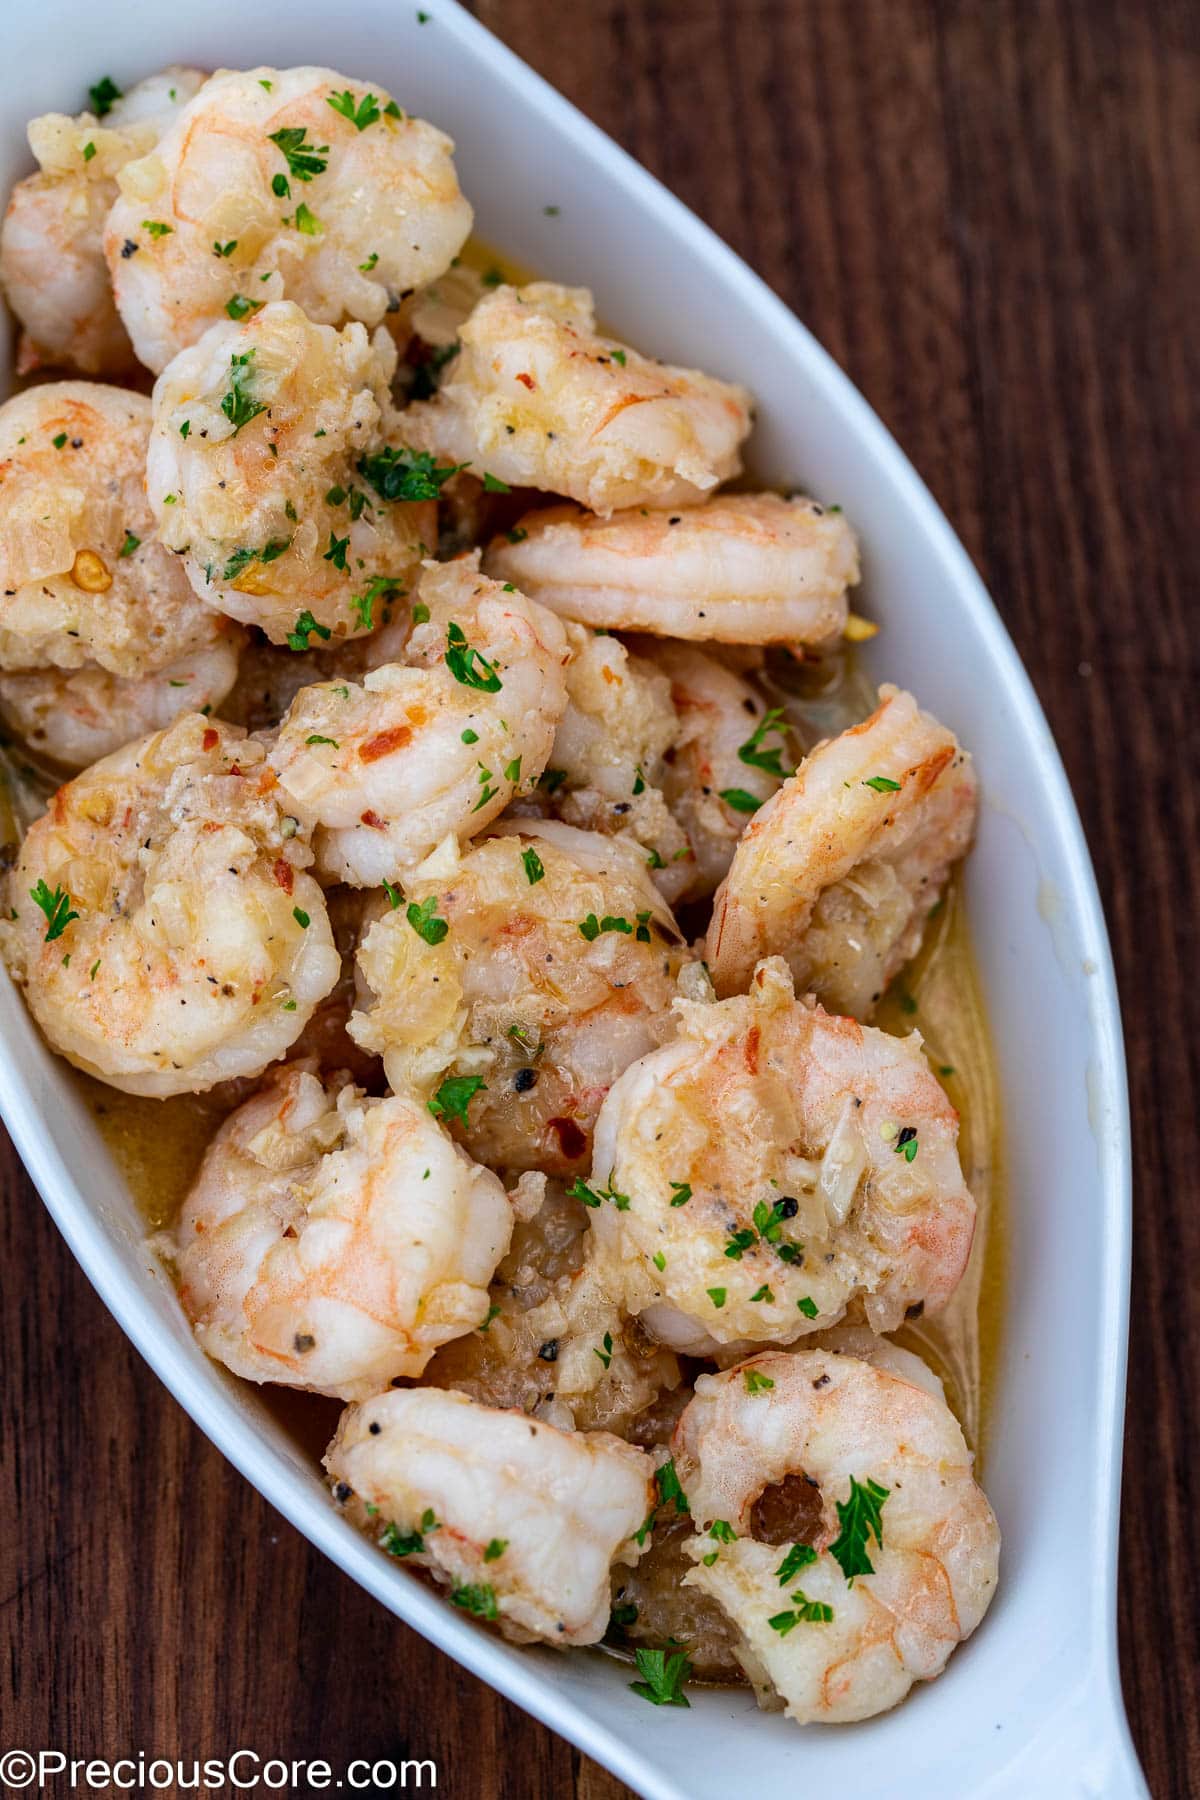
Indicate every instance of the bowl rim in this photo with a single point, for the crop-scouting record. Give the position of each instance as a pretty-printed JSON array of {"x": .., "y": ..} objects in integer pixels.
[{"x": 521, "y": 1679}]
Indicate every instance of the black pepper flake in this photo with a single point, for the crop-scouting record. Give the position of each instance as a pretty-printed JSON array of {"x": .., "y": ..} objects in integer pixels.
[
  {"x": 549, "y": 1350},
  {"x": 303, "y": 1342},
  {"x": 914, "y": 1312},
  {"x": 129, "y": 248},
  {"x": 374, "y": 1428},
  {"x": 342, "y": 1492},
  {"x": 524, "y": 1079},
  {"x": 787, "y": 1207},
  {"x": 821, "y": 1381}
]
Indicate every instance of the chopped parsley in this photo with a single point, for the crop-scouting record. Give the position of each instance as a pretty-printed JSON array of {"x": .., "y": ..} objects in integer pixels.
[
  {"x": 316, "y": 738},
  {"x": 512, "y": 770},
  {"x": 425, "y": 922},
  {"x": 301, "y": 917},
  {"x": 304, "y": 160},
  {"x": 493, "y": 1312},
  {"x": 130, "y": 545},
  {"x": 307, "y": 221},
  {"x": 663, "y": 1675},
  {"x": 752, "y": 752},
  {"x": 606, "y": 1354},
  {"x": 406, "y": 474},
  {"x": 860, "y": 1517},
  {"x": 393, "y": 894},
  {"x": 534, "y": 869},
  {"x": 477, "y": 1597},
  {"x": 59, "y": 441},
  {"x": 669, "y": 1488},
  {"x": 385, "y": 587},
  {"x": 239, "y": 406},
  {"x": 764, "y": 1293},
  {"x": 304, "y": 628},
  {"x": 401, "y": 1543},
  {"x": 242, "y": 558},
  {"x": 797, "y": 1558},
  {"x": 739, "y": 1242},
  {"x": 495, "y": 1550},
  {"x": 906, "y": 1144},
  {"x": 472, "y": 737},
  {"x": 739, "y": 799},
  {"x": 225, "y": 249},
  {"x": 57, "y": 908},
  {"x": 618, "y": 356},
  {"x": 156, "y": 228},
  {"x": 468, "y": 665},
  {"x": 240, "y": 308},
  {"x": 681, "y": 1193},
  {"x": 757, "y": 1382},
  {"x": 360, "y": 115},
  {"x": 579, "y": 1190},
  {"x": 103, "y": 95},
  {"x": 591, "y": 927},
  {"x": 808, "y": 1306},
  {"x": 366, "y": 267},
  {"x": 722, "y": 1531},
  {"x": 89, "y": 150},
  {"x": 494, "y": 485},
  {"x": 808, "y": 1612},
  {"x": 717, "y": 1296},
  {"x": 883, "y": 784},
  {"x": 336, "y": 553},
  {"x": 455, "y": 1095}
]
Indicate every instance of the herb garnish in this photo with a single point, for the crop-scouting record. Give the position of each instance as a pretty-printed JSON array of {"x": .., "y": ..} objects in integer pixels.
[
  {"x": 238, "y": 406},
  {"x": 455, "y": 1095},
  {"x": 425, "y": 922},
  {"x": 739, "y": 799},
  {"x": 681, "y": 1193},
  {"x": 477, "y": 1597},
  {"x": 406, "y": 474},
  {"x": 756, "y": 1382},
  {"x": 304, "y": 160},
  {"x": 103, "y": 95},
  {"x": 305, "y": 627},
  {"x": 57, "y": 908},
  {"x": 752, "y": 753},
  {"x": 669, "y": 1488},
  {"x": 860, "y": 1517},
  {"x": 468, "y": 665},
  {"x": 883, "y": 784},
  {"x": 797, "y": 1558},
  {"x": 906, "y": 1144},
  {"x": 663, "y": 1674},
  {"x": 534, "y": 869}
]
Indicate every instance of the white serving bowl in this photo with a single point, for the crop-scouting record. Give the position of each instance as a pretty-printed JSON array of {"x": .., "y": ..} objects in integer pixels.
[{"x": 1031, "y": 1706}]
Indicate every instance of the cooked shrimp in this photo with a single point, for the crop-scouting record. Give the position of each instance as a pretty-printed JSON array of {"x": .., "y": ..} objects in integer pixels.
[
  {"x": 76, "y": 717},
  {"x": 332, "y": 1242},
  {"x": 537, "y": 398},
  {"x": 727, "y": 757},
  {"x": 52, "y": 265},
  {"x": 280, "y": 183},
  {"x": 532, "y": 970},
  {"x": 164, "y": 927},
  {"x": 81, "y": 578},
  {"x": 555, "y": 1343},
  {"x": 772, "y": 1164},
  {"x": 742, "y": 568},
  {"x": 607, "y": 765},
  {"x": 437, "y": 745},
  {"x": 904, "y": 1561},
  {"x": 839, "y": 871},
  {"x": 523, "y": 1522},
  {"x": 269, "y": 473}
]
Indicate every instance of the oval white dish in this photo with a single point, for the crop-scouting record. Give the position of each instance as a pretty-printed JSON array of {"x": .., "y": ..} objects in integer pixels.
[{"x": 1031, "y": 1705}]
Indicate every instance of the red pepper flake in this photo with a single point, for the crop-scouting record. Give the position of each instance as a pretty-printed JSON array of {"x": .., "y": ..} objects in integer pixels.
[
  {"x": 571, "y": 1140},
  {"x": 285, "y": 875},
  {"x": 372, "y": 819},
  {"x": 210, "y": 740},
  {"x": 527, "y": 381},
  {"x": 384, "y": 742},
  {"x": 751, "y": 1051}
]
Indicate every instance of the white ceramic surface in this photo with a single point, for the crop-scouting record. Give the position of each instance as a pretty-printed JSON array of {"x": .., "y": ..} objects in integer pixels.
[{"x": 1031, "y": 1706}]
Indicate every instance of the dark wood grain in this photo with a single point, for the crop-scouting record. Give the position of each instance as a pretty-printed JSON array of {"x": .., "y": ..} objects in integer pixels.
[{"x": 989, "y": 213}]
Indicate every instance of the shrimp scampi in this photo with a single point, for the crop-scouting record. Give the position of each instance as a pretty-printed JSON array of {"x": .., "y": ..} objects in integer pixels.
[
  {"x": 901, "y": 1563},
  {"x": 482, "y": 828},
  {"x": 522, "y": 1521},
  {"x": 739, "y": 569},
  {"x": 520, "y": 979},
  {"x": 278, "y": 184},
  {"x": 52, "y": 265},
  {"x": 164, "y": 926},
  {"x": 839, "y": 871},
  {"x": 332, "y": 1241},
  {"x": 772, "y": 1164},
  {"x": 537, "y": 397},
  {"x": 434, "y": 745},
  {"x": 270, "y": 474}
]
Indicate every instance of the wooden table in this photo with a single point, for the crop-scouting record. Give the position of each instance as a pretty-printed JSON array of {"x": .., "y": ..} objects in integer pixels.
[{"x": 986, "y": 212}]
